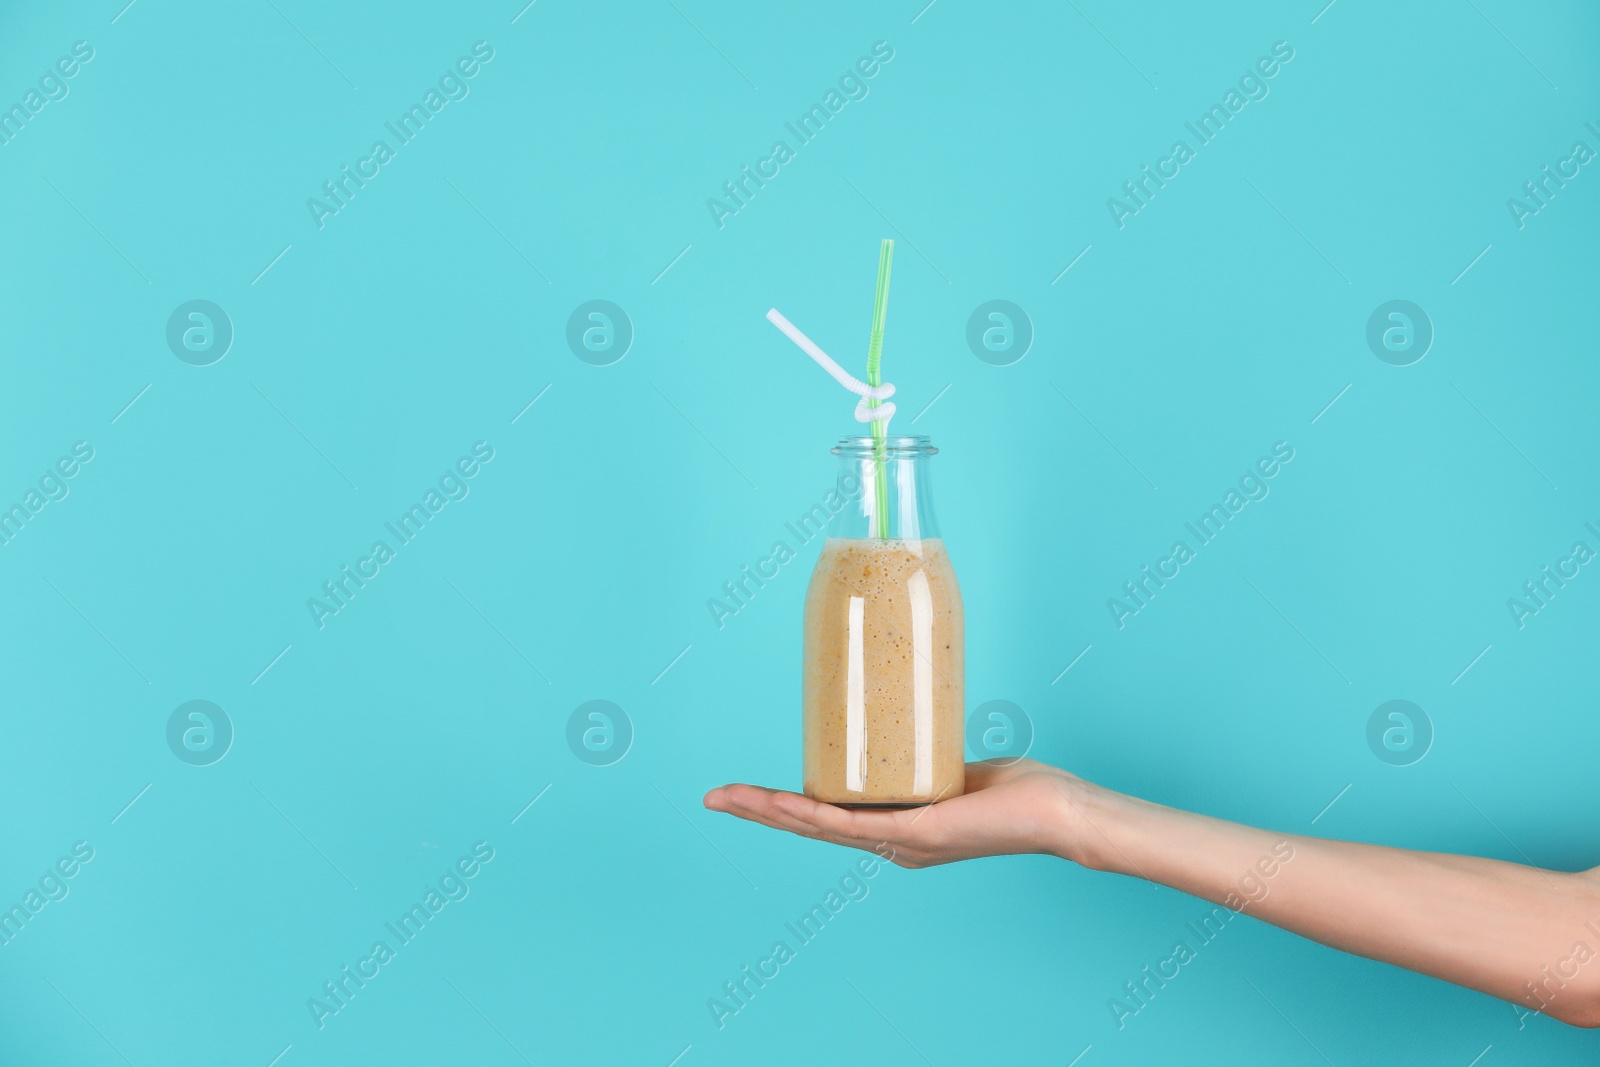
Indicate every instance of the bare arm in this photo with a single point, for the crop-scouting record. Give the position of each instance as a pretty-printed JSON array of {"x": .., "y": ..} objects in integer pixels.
[{"x": 1519, "y": 933}]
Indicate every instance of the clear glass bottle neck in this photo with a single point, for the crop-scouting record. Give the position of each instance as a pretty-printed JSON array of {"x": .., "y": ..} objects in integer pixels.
[{"x": 886, "y": 489}]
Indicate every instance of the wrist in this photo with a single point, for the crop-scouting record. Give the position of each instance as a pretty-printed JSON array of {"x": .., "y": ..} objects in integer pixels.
[{"x": 1085, "y": 817}]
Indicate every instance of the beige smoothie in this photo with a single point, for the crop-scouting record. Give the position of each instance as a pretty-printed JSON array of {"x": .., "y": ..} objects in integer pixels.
[{"x": 883, "y": 693}]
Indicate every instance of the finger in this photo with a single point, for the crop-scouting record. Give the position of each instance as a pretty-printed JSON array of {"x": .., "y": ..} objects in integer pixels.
[
  {"x": 758, "y": 805},
  {"x": 748, "y": 802},
  {"x": 717, "y": 799},
  {"x": 861, "y": 826},
  {"x": 883, "y": 833},
  {"x": 746, "y": 797},
  {"x": 755, "y": 804}
]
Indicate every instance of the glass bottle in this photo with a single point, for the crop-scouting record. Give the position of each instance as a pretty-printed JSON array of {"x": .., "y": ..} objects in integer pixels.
[{"x": 883, "y": 693}]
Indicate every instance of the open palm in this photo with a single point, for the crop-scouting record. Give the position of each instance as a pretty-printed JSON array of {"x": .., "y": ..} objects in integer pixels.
[{"x": 1008, "y": 808}]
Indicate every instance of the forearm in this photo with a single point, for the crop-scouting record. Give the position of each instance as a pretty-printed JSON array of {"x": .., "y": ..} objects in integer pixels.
[{"x": 1492, "y": 926}]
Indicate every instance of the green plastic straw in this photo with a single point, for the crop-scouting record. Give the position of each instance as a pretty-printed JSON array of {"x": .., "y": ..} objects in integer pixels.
[{"x": 880, "y": 311}]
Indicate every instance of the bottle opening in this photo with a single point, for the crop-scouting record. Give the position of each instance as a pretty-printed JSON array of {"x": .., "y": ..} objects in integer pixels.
[{"x": 894, "y": 445}]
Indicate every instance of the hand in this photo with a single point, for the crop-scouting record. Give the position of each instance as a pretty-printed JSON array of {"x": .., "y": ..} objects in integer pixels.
[{"x": 1008, "y": 808}]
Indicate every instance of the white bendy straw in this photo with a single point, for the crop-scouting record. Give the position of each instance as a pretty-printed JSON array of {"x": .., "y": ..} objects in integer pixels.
[{"x": 864, "y": 412}]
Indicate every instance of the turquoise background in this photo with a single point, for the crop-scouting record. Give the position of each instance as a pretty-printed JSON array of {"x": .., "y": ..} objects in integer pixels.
[{"x": 425, "y": 316}]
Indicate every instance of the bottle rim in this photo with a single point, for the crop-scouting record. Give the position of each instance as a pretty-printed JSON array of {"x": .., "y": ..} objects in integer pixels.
[{"x": 895, "y": 444}]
